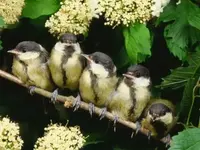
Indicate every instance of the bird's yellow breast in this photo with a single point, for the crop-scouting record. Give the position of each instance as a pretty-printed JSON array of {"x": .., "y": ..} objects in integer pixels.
[
  {"x": 121, "y": 101},
  {"x": 73, "y": 71},
  {"x": 19, "y": 70},
  {"x": 142, "y": 97},
  {"x": 85, "y": 87},
  {"x": 103, "y": 88},
  {"x": 147, "y": 125},
  {"x": 33, "y": 73},
  {"x": 39, "y": 75},
  {"x": 55, "y": 67},
  {"x": 168, "y": 122}
]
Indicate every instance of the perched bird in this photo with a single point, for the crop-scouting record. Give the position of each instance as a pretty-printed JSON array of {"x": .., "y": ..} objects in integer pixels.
[
  {"x": 98, "y": 80},
  {"x": 159, "y": 117},
  {"x": 66, "y": 63},
  {"x": 30, "y": 65},
  {"x": 131, "y": 94}
]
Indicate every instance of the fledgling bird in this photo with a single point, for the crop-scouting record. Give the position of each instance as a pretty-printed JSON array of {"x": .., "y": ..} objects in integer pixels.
[
  {"x": 30, "y": 65},
  {"x": 98, "y": 80},
  {"x": 159, "y": 117},
  {"x": 66, "y": 63},
  {"x": 131, "y": 94}
]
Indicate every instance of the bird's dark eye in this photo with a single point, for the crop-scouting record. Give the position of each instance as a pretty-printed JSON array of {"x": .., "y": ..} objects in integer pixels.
[
  {"x": 137, "y": 74},
  {"x": 23, "y": 50},
  {"x": 163, "y": 113},
  {"x": 96, "y": 61}
]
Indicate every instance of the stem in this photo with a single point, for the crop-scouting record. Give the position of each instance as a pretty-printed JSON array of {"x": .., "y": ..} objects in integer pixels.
[{"x": 193, "y": 99}]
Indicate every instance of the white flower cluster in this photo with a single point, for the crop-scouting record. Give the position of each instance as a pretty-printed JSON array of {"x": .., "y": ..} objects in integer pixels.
[
  {"x": 9, "y": 135},
  {"x": 10, "y": 10},
  {"x": 73, "y": 16},
  {"x": 124, "y": 12},
  {"x": 158, "y": 6},
  {"x": 59, "y": 137}
]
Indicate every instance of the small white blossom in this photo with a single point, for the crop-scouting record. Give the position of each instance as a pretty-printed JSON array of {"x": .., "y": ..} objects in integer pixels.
[
  {"x": 177, "y": 3},
  {"x": 124, "y": 12},
  {"x": 10, "y": 10},
  {"x": 158, "y": 6},
  {"x": 73, "y": 16},
  {"x": 9, "y": 135},
  {"x": 59, "y": 137}
]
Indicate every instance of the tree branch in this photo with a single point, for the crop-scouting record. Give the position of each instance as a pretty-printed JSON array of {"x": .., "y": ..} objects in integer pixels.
[{"x": 68, "y": 102}]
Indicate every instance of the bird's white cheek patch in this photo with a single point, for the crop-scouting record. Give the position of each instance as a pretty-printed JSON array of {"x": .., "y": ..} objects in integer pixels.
[
  {"x": 28, "y": 56},
  {"x": 98, "y": 70},
  {"x": 141, "y": 82},
  {"x": 59, "y": 46},
  {"x": 77, "y": 48},
  {"x": 167, "y": 118}
]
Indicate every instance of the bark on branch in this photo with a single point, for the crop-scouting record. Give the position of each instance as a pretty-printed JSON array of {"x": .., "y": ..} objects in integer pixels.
[{"x": 68, "y": 102}]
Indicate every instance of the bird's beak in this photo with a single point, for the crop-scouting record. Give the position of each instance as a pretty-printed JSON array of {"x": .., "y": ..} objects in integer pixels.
[
  {"x": 153, "y": 119},
  {"x": 129, "y": 76},
  {"x": 14, "y": 51},
  {"x": 87, "y": 57}
]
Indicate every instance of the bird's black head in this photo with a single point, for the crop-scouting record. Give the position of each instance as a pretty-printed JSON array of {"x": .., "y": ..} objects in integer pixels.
[
  {"x": 137, "y": 74},
  {"x": 28, "y": 46},
  {"x": 101, "y": 64},
  {"x": 138, "y": 71},
  {"x": 158, "y": 110},
  {"x": 103, "y": 59},
  {"x": 69, "y": 38}
]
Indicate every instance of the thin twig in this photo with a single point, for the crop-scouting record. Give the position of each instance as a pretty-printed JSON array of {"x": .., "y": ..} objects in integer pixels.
[{"x": 68, "y": 102}]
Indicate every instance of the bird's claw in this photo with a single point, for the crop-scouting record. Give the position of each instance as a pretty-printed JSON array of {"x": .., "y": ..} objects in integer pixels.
[
  {"x": 54, "y": 96},
  {"x": 31, "y": 89},
  {"x": 115, "y": 121},
  {"x": 91, "y": 109},
  {"x": 149, "y": 135},
  {"x": 77, "y": 102},
  {"x": 102, "y": 115},
  {"x": 132, "y": 134},
  {"x": 138, "y": 127},
  {"x": 167, "y": 140}
]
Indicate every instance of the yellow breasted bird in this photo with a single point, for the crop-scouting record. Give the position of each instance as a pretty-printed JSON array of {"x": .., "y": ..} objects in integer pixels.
[
  {"x": 30, "y": 65},
  {"x": 131, "y": 94},
  {"x": 159, "y": 117},
  {"x": 66, "y": 63},
  {"x": 98, "y": 80}
]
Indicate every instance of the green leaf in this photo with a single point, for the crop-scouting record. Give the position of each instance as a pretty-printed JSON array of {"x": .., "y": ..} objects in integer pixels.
[
  {"x": 1, "y": 45},
  {"x": 2, "y": 23},
  {"x": 137, "y": 42},
  {"x": 181, "y": 75},
  {"x": 168, "y": 13},
  {"x": 188, "y": 139},
  {"x": 184, "y": 30},
  {"x": 194, "y": 20},
  {"x": 121, "y": 58},
  {"x": 40, "y": 21},
  {"x": 186, "y": 102},
  {"x": 184, "y": 77},
  {"x": 36, "y": 8}
]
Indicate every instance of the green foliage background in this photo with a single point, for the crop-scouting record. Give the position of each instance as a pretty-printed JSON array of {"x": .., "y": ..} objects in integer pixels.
[{"x": 169, "y": 46}]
